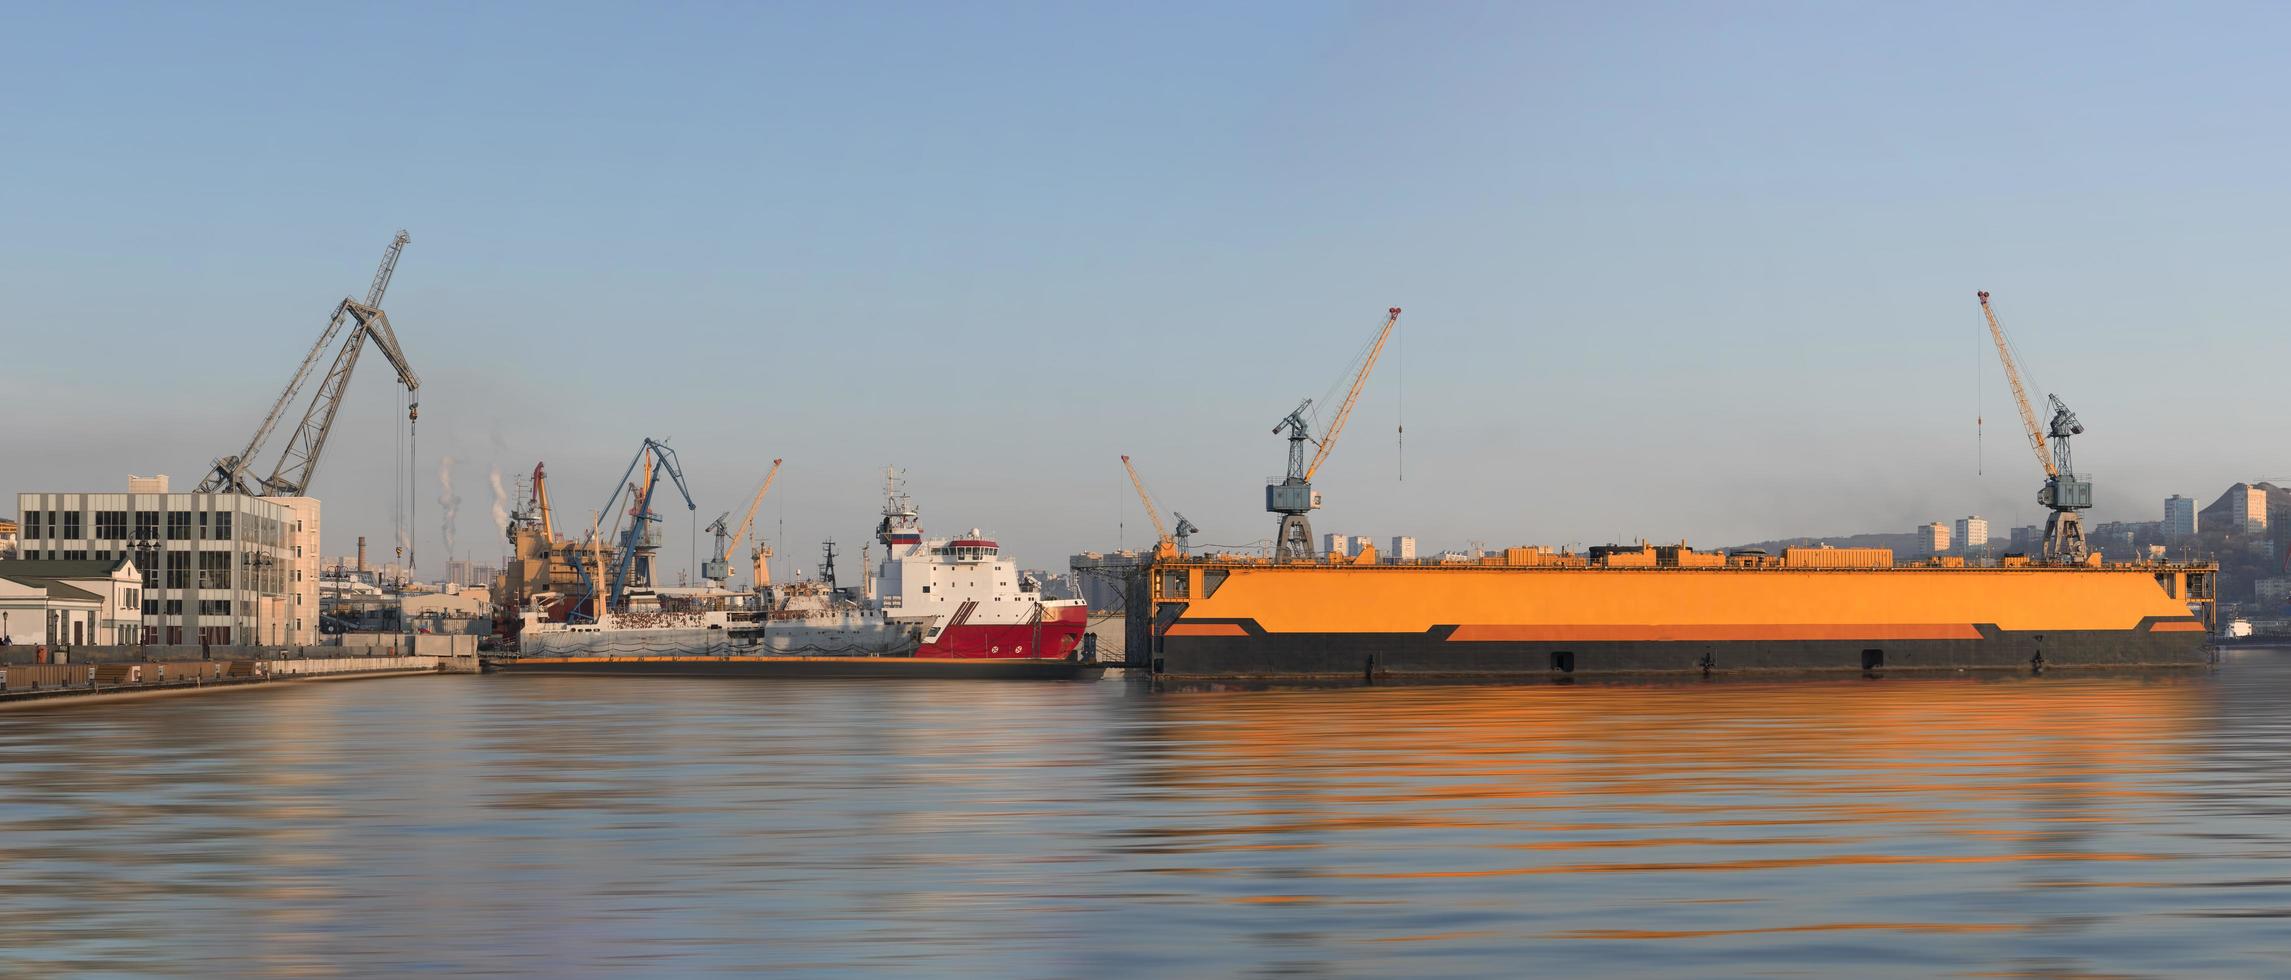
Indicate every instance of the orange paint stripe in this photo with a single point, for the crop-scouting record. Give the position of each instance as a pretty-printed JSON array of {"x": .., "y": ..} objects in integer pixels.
[
  {"x": 1713, "y": 631},
  {"x": 2176, "y": 626},
  {"x": 1205, "y": 629}
]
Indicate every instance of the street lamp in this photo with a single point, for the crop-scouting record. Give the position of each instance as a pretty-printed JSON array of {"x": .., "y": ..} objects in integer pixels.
[{"x": 146, "y": 545}]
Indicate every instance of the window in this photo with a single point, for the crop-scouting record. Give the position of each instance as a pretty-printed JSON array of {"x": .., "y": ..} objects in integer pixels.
[
  {"x": 147, "y": 524},
  {"x": 151, "y": 573},
  {"x": 76, "y": 555},
  {"x": 151, "y": 607},
  {"x": 178, "y": 569},
  {"x": 32, "y": 524},
  {"x": 178, "y": 525},
  {"x": 174, "y": 607},
  {"x": 72, "y": 524},
  {"x": 223, "y": 526},
  {"x": 214, "y": 607},
  {"x": 111, "y": 525},
  {"x": 214, "y": 569}
]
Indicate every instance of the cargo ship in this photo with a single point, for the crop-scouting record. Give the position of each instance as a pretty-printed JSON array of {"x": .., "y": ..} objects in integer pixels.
[
  {"x": 931, "y": 599},
  {"x": 1535, "y": 613}
]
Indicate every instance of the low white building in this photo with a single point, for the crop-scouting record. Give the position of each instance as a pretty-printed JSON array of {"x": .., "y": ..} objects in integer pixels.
[{"x": 71, "y": 603}]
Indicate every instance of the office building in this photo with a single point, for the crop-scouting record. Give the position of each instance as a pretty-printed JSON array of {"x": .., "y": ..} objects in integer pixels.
[
  {"x": 1933, "y": 539},
  {"x": 221, "y": 568},
  {"x": 1403, "y": 548}
]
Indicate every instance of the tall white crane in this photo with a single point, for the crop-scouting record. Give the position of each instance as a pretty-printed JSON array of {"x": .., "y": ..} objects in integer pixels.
[{"x": 298, "y": 464}]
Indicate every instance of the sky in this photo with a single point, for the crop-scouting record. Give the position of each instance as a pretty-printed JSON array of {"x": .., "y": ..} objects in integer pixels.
[{"x": 1700, "y": 271}]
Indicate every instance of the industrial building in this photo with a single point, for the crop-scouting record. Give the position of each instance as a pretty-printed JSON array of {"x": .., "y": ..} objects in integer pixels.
[
  {"x": 1972, "y": 532},
  {"x": 2179, "y": 516},
  {"x": 216, "y": 567},
  {"x": 1933, "y": 539}
]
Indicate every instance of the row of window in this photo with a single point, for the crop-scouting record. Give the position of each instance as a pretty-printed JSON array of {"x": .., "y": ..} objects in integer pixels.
[
  {"x": 182, "y": 525},
  {"x": 206, "y": 607}
]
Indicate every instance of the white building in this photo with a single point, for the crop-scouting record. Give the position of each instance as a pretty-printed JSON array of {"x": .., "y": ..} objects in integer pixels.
[
  {"x": 1933, "y": 538},
  {"x": 1972, "y": 532},
  {"x": 1403, "y": 548},
  {"x": 2179, "y": 516},
  {"x": 217, "y": 567},
  {"x": 1361, "y": 545},
  {"x": 69, "y": 603},
  {"x": 1336, "y": 545}
]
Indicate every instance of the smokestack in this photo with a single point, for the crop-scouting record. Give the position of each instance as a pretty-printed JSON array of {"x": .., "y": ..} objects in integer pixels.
[{"x": 361, "y": 554}]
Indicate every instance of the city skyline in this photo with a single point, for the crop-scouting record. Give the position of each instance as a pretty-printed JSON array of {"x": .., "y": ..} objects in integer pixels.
[{"x": 1702, "y": 303}]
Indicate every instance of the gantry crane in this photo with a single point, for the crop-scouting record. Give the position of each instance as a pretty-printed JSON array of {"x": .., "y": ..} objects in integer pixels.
[
  {"x": 2063, "y": 494},
  {"x": 299, "y": 464},
  {"x": 1169, "y": 543},
  {"x": 718, "y": 570},
  {"x": 1293, "y": 498},
  {"x": 638, "y": 539}
]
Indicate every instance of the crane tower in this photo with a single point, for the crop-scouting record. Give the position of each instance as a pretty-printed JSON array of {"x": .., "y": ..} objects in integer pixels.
[
  {"x": 2064, "y": 494},
  {"x": 1294, "y": 497}
]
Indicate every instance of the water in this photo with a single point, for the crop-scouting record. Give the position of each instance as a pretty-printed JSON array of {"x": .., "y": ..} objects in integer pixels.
[{"x": 566, "y": 826}]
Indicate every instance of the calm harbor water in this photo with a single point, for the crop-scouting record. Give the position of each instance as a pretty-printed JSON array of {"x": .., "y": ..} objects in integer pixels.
[{"x": 2061, "y": 825}]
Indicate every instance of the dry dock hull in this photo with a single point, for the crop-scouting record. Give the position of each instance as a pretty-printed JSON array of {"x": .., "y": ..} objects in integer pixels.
[
  {"x": 801, "y": 667},
  {"x": 1232, "y": 620},
  {"x": 1437, "y": 654}
]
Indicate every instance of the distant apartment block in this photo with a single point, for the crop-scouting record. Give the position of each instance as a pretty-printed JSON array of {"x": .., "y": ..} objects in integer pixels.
[
  {"x": 1933, "y": 538},
  {"x": 1361, "y": 545},
  {"x": 2027, "y": 539},
  {"x": 2271, "y": 593},
  {"x": 1403, "y": 548},
  {"x": 1972, "y": 532},
  {"x": 1336, "y": 545},
  {"x": 2249, "y": 505},
  {"x": 2179, "y": 516}
]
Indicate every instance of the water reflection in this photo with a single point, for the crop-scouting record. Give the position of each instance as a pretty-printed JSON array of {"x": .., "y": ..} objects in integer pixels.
[{"x": 2127, "y": 824}]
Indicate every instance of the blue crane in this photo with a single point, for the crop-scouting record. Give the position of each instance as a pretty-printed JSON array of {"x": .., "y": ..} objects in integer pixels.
[{"x": 637, "y": 540}]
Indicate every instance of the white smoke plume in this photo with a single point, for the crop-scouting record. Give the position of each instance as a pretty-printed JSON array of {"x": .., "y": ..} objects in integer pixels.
[
  {"x": 449, "y": 501},
  {"x": 500, "y": 501}
]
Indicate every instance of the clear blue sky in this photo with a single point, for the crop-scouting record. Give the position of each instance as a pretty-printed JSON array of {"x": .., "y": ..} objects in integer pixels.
[{"x": 1699, "y": 270}]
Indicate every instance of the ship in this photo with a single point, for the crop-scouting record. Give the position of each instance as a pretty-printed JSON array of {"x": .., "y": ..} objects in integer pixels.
[
  {"x": 1536, "y": 613},
  {"x": 931, "y": 599}
]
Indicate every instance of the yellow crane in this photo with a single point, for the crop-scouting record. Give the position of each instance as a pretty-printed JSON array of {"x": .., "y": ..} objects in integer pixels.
[
  {"x": 1169, "y": 543},
  {"x": 2063, "y": 494},
  {"x": 1293, "y": 498},
  {"x": 719, "y": 569}
]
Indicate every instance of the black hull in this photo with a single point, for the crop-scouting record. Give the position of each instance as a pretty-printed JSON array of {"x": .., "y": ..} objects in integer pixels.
[
  {"x": 904, "y": 668},
  {"x": 1431, "y": 655}
]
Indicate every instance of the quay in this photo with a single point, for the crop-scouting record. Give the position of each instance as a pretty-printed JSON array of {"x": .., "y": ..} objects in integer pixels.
[{"x": 88, "y": 672}]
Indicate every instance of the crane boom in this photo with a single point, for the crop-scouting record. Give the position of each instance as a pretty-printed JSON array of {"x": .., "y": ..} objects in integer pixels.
[
  {"x": 1162, "y": 539},
  {"x": 750, "y": 520},
  {"x": 230, "y": 472},
  {"x": 1344, "y": 411},
  {"x": 2020, "y": 395}
]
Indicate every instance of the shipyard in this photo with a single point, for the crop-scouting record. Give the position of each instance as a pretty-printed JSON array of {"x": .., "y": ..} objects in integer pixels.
[{"x": 1180, "y": 490}]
